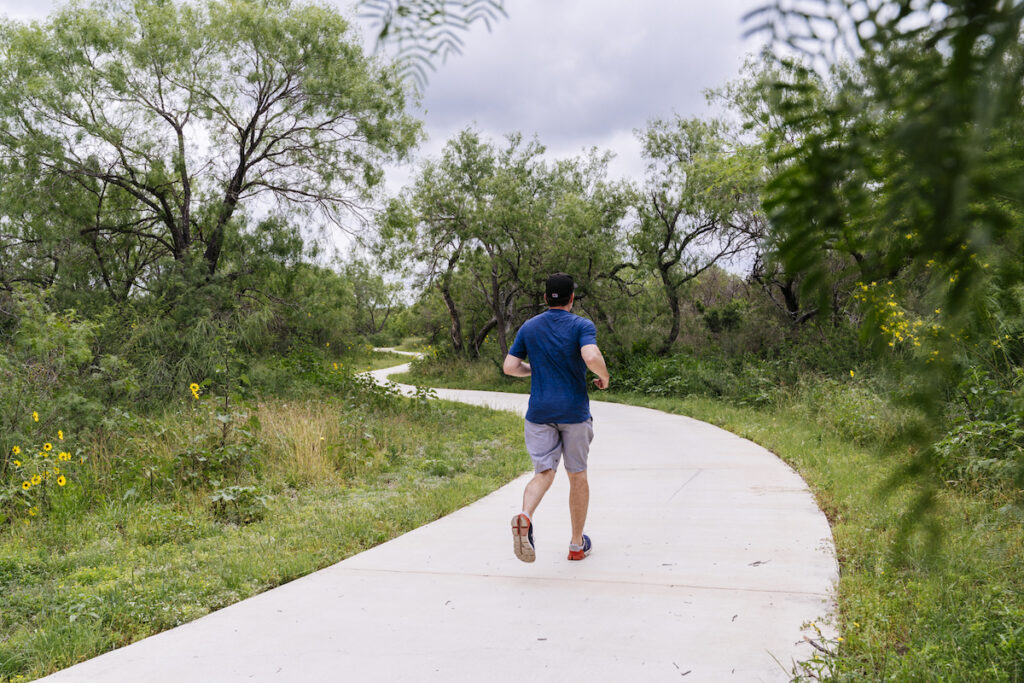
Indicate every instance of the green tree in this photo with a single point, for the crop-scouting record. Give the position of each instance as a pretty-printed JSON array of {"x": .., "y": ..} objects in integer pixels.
[
  {"x": 164, "y": 121},
  {"x": 699, "y": 205},
  {"x": 374, "y": 299},
  {"x": 486, "y": 225}
]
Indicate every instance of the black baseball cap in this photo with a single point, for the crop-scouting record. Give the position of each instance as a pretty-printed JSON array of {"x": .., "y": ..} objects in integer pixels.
[{"x": 559, "y": 288}]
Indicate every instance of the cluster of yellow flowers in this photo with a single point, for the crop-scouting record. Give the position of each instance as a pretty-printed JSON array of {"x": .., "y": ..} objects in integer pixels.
[
  {"x": 42, "y": 468},
  {"x": 901, "y": 328},
  {"x": 194, "y": 388},
  {"x": 893, "y": 321}
]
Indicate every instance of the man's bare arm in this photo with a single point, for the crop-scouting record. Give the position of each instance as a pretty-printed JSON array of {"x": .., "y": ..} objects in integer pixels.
[
  {"x": 595, "y": 361},
  {"x": 516, "y": 367}
]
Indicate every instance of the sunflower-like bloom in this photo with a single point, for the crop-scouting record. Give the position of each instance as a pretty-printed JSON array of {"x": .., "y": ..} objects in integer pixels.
[
  {"x": 47, "y": 447},
  {"x": 16, "y": 450},
  {"x": 26, "y": 485},
  {"x": 61, "y": 480}
]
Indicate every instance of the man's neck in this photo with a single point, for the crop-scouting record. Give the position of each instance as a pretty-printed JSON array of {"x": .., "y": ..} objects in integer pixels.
[{"x": 560, "y": 308}]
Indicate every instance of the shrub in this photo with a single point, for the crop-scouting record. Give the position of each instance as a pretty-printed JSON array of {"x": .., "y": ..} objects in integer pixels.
[
  {"x": 239, "y": 504},
  {"x": 985, "y": 444}
]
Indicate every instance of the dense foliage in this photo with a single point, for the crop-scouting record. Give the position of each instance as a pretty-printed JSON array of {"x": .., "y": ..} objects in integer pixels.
[{"x": 163, "y": 171}]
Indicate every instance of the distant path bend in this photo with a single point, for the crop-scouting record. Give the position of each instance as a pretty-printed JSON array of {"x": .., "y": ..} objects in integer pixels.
[{"x": 710, "y": 557}]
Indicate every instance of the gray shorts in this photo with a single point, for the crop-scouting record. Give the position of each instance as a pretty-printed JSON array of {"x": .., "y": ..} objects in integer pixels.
[{"x": 547, "y": 442}]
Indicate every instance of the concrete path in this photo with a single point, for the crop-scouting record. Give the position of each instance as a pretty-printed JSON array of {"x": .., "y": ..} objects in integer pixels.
[{"x": 710, "y": 557}]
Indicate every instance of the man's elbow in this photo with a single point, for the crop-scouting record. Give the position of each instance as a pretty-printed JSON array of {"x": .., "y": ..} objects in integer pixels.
[
  {"x": 590, "y": 353},
  {"x": 511, "y": 364}
]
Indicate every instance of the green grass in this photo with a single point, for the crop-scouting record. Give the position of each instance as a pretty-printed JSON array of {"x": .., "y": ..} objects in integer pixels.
[
  {"x": 377, "y": 360},
  {"x": 107, "y": 564},
  {"x": 413, "y": 344},
  {"x": 457, "y": 374},
  {"x": 954, "y": 613}
]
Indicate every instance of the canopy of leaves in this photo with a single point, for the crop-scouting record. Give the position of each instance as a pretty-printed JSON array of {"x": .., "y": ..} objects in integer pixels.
[{"x": 136, "y": 132}]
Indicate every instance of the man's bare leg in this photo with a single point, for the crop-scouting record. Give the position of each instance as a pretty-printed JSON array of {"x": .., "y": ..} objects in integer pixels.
[
  {"x": 536, "y": 489},
  {"x": 579, "y": 501}
]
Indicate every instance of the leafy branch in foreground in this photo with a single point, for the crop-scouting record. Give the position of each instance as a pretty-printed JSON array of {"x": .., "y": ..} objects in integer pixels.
[
  {"x": 423, "y": 30},
  {"x": 905, "y": 139}
]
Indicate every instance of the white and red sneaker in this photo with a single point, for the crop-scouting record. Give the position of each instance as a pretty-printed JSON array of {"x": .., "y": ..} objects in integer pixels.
[{"x": 522, "y": 538}]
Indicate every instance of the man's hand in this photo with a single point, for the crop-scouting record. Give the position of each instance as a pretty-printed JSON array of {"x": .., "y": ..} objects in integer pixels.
[{"x": 595, "y": 361}]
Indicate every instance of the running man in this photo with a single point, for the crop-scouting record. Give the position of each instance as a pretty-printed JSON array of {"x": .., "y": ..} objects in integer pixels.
[{"x": 560, "y": 346}]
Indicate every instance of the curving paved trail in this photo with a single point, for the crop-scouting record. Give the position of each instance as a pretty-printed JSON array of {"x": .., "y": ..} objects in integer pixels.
[{"x": 710, "y": 556}]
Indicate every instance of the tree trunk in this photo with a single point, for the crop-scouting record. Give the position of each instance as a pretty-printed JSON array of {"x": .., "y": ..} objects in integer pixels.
[
  {"x": 499, "y": 312},
  {"x": 456, "y": 325},
  {"x": 478, "y": 341},
  {"x": 673, "y": 304}
]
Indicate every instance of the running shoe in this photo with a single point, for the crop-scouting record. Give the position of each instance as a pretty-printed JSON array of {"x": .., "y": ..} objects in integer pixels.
[
  {"x": 578, "y": 552},
  {"x": 522, "y": 538}
]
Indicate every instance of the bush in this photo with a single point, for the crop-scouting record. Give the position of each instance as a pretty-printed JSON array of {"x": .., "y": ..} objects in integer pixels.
[
  {"x": 985, "y": 445},
  {"x": 239, "y": 504},
  {"x": 855, "y": 410},
  {"x": 746, "y": 380}
]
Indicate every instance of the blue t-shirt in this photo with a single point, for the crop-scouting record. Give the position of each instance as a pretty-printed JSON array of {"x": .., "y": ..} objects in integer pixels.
[{"x": 558, "y": 382}]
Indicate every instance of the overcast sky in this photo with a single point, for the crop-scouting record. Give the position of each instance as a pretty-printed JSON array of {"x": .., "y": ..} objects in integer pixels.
[
  {"x": 576, "y": 73},
  {"x": 581, "y": 73}
]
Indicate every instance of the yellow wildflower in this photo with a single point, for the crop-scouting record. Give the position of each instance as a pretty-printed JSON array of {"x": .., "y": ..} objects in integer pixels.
[
  {"x": 36, "y": 480},
  {"x": 16, "y": 450},
  {"x": 26, "y": 485},
  {"x": 851, "y": 373},
  {"x": 33, "y": 511},
  {"x": 47, "y": 446},
  {"x": 65, "y": 456},
  {"x": 35, "y": 416},
  {"x": 60, "y": 434},
  {"x": 17, "y": 463},
  {"x": 61, "y": 480}
]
